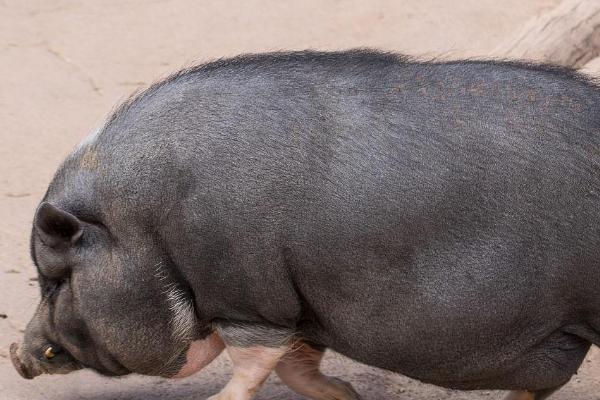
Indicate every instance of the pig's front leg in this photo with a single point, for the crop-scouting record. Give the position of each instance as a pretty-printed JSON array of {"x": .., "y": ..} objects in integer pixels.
[
  {"x": 200, "y": 354},
  {"x": 254, "y": 351},
  {"x": 526, "y": 395},
  {"x": 299, "y": 370},
  {"x": 251, "y": 367}
]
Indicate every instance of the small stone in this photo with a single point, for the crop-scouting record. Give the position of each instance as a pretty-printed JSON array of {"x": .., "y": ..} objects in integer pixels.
[
  {"x": 12, "y": 271},
  {"x": 3, "y": 316},
  {"x": 17, "y": 195}
]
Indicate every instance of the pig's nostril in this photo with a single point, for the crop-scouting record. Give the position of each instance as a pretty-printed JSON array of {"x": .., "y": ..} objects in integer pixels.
[
  {"x": 14, "y": 348},
  {"x": 19, "y": 366}
]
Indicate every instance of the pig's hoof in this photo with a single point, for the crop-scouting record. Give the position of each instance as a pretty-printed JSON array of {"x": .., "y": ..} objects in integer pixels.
[
  {"x": 343, "y": 390},
  {"x": 218, "y": 396},
  {"x": 225, "y": 395}
]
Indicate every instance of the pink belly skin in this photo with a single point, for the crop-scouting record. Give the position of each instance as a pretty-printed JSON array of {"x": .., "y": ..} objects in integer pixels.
[{"x": 200, "y": 354}]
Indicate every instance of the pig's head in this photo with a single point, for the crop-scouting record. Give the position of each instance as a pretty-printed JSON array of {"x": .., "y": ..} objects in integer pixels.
[{"x": 105, "y": 303}]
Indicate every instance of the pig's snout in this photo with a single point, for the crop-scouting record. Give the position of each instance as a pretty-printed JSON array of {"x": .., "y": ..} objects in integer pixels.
[{"x": 25, "y": 369}]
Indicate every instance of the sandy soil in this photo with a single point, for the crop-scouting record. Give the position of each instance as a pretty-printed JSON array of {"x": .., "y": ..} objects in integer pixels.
[{"x": 64, "y": 64}]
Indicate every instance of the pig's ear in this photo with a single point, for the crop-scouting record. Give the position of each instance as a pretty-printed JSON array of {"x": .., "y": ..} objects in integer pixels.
[{"x": 56, "y": 227}]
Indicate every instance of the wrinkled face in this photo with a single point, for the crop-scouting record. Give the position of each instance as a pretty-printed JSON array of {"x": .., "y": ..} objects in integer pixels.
[{"x": 105, "y": 305}]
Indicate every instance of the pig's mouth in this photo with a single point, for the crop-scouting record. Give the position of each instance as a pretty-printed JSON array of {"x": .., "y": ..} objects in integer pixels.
[{"x": 29, "y": 369}]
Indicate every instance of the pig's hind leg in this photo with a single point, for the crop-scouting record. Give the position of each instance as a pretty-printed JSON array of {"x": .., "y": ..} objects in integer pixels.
[
  {"x": 299, "y": 370},
  {"x": 549, "y": 366}
]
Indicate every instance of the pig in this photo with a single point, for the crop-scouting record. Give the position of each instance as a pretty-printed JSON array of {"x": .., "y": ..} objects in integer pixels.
[{"x": 436, "y": 219}]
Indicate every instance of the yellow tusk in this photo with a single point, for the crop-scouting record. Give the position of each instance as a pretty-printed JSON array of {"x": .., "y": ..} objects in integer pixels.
[{"x": 49, "y": 353}]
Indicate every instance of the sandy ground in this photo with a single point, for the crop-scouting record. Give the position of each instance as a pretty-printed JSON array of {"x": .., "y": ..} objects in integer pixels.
[{"x": 64, "y": 64}]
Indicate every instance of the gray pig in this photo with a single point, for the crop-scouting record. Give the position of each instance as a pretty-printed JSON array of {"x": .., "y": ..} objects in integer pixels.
[{"x": 436, "y": 219}]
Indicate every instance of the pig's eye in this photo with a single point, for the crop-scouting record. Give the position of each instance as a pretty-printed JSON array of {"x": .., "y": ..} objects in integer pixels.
[
  {"x": 52, "y": 287},
  {"x": 49, "y": 353}
]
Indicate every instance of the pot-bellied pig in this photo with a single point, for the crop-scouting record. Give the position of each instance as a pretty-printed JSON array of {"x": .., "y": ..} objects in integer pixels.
[{"x": 436, "y": 219}]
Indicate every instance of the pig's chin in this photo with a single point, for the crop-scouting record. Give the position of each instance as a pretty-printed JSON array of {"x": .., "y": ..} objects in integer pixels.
[
  {"x": 111, "y": 374},
  {"x": 108, "y": 366}
]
